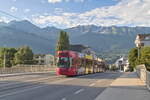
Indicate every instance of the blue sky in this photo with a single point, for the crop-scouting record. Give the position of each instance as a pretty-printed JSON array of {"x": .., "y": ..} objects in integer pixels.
[
  {"x": 40, "y": 6},
  {"x": 70, "y": 13}
]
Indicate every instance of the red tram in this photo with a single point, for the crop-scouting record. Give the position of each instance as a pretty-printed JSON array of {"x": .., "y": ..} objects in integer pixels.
[{"x": 71, "y": 63}]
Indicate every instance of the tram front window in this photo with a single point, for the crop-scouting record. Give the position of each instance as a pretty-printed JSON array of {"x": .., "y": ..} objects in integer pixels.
[{"x": 63, "y": 62}]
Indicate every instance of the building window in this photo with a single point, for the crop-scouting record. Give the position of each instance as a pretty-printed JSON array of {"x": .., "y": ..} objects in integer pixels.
[
  {"x": 142, "y": 44},
  {"x": 147, "y": 38}
]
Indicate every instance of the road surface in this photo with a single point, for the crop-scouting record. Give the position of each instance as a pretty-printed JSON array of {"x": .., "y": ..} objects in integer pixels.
[{"x": 50, "y": 87}]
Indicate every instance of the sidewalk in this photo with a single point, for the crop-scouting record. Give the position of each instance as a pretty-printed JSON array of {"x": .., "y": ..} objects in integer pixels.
[{"x": 126, "y": 87}]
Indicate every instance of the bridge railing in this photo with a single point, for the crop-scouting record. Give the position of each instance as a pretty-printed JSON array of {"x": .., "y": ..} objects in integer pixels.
[
  {"x": 148, "y": 80},
  {"x": 27, "y": 69},
  {"x": 143, "y": 74}
]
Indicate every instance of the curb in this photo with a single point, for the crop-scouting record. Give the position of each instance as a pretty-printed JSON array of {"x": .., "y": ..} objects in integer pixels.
[{"x": 148, "y": 87}]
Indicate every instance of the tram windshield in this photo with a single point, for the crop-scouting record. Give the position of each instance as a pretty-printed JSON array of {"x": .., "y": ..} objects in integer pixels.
[{"x": 63, "y": 62}]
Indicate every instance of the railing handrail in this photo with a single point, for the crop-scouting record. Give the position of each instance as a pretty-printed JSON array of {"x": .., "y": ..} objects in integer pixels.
[
  {"x": 143, "y": 74},
  {"x": 26, "y": 68}
]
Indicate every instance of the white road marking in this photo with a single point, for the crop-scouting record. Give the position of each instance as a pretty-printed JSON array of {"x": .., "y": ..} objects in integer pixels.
[
  {"x": 63, "y": 99},
  {"x": 79, "y": 91},
  {"x": 13, "y": 93},
  {"x": 92, "y": 84}
]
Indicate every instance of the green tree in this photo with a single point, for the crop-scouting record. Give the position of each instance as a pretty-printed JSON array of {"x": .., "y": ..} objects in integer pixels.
[
  {"x": 24, "y": 55},
  {"x": 63, "y": 42},
  {"x": 133, "y": 58},
  {"x": 145, "y": 57},
  {"x": 7, "y": 54},
  {"x": 113, "y": 67}
]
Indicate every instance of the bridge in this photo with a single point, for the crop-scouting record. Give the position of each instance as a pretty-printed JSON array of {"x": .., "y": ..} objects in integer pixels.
[{"x": 48, "y": 86}]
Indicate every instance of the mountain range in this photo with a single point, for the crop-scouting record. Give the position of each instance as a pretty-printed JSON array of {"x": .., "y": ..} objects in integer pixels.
[{"x": 43, "y": 40}]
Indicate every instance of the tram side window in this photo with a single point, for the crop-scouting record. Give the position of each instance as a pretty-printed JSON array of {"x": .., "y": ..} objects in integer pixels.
[
  {"x": 73, "y": 61},
  {"x": 80, "y": 62}
]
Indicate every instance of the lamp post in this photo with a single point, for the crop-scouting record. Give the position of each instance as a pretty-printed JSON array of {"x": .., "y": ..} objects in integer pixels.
[
  {"x": 4, "y": 63},
  {"x": 139, "y": 51},
  {"x": 4, "y": 60}
]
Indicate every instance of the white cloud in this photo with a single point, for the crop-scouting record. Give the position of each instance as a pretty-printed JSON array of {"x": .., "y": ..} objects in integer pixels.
[
  {"x": 27, "y": 10},
  {"x": 13, "y": 9},
  {"x": 126, "y": 12},
  {"x": 57, "y": 1},
  {"x": 54, "y": 1},
  {"x": 4, "y": 19}
]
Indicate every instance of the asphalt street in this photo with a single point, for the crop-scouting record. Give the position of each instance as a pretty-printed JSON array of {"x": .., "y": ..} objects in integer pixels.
[{"x": 51, "y": 87}]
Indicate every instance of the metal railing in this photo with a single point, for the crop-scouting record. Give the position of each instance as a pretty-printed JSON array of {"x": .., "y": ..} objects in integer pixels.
[
  {"x": 26, "y": 69},
  {"x": 143, "y": 74},
  {"x": 148, "y": 80}
]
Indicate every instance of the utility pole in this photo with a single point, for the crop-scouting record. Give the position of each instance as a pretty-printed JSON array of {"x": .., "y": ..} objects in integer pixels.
[
  {"x": 138, "y": 52},
  {"x": 4, "y": 60}
]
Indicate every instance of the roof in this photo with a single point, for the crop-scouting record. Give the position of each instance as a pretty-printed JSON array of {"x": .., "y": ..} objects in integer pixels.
[
  {"x": 144, "y": 37},
  {"x": 78, "y": 48}
]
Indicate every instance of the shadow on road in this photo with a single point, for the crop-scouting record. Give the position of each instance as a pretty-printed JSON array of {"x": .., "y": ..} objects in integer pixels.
[
  {"x": 41, "y": 91},
  {"x": 106, "y": 75},
  {"x": 71, "y": 88}
]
